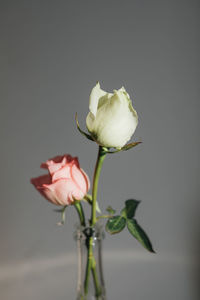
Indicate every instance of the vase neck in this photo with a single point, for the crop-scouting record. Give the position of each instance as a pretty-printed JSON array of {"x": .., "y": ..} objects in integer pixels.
[{"x": 90, "y": 270}]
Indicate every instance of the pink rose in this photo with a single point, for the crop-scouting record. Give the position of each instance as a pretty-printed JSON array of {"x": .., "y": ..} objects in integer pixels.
[{"x": 65, "y": 182}]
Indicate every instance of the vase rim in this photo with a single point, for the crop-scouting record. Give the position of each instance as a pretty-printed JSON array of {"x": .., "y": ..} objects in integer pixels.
[{"x": 83, "y": 232}]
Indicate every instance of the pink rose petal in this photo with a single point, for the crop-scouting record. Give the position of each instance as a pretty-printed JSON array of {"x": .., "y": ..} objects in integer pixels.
[{"x": 65, "y": 182}]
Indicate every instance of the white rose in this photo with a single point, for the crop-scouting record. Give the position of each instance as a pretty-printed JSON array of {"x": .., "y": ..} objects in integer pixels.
[{"x": 112, "y": 120}]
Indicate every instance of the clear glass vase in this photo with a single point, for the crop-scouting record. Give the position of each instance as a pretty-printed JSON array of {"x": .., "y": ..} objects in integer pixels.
[{"x": 90, "y": 285}]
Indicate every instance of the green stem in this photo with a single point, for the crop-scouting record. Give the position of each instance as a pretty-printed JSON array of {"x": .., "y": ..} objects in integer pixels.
[
  {"x": 91, "y": 264},
  {"x": 95, "y": 278},
  {"x": 80, "y": 212},
  {"x": 100, "y": 159}
]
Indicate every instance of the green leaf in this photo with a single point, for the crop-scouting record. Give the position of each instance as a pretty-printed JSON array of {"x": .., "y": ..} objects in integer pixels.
[
  {"x": 110, "y": 210},
  {"x": 130, "y": 207},
  {"x": 81, "y": 131},
  {"x": 115, "y": 224},
  {"x": 138, "y": 233}
]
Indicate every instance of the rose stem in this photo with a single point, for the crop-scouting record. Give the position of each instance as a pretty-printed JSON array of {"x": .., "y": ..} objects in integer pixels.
[
  {"x": 99, "y": 163},
  {"x": 95, "y": 278},
  {"x": 80, "y": 212},
  {"x": 91, "y": 264}
]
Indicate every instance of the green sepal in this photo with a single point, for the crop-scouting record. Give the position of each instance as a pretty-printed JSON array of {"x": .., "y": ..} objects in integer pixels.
[
  {"x": 88, "y": 198},
  {"x": 81, "y": 131},
  {"x": 98, "y": 209},
  {"x": 110, "y": 210},
  {"x": 130, "y": 146},
  {"x": 130, "y": 207},
  {"x": 115, "y": 224},
  {"x": 138, "y": 233},
  {"x": 124, "y": 148},
  {"x": 62, "y": 211}
]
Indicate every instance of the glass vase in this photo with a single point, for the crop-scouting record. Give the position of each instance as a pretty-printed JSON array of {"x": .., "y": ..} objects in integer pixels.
[{"x": 90, "y": 285}]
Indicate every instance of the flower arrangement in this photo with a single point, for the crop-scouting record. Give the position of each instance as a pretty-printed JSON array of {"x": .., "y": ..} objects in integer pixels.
[{"x": 111, "y": 122}]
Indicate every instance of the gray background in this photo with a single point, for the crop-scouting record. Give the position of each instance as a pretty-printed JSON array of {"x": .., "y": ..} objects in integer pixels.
[{"x": 52, "y": 53}]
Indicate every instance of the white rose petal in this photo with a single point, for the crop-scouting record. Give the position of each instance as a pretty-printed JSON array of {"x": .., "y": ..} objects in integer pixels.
[{"x": 112, "y": 120}]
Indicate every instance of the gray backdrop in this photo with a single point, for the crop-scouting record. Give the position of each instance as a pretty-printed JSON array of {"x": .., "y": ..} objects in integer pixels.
[{"x": 52, "y": 53}]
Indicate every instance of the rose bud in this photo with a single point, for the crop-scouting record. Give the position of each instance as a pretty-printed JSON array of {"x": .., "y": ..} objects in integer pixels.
[
  {"x": 66, "y": 181},
  {"x": 112, "y": 120}
]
